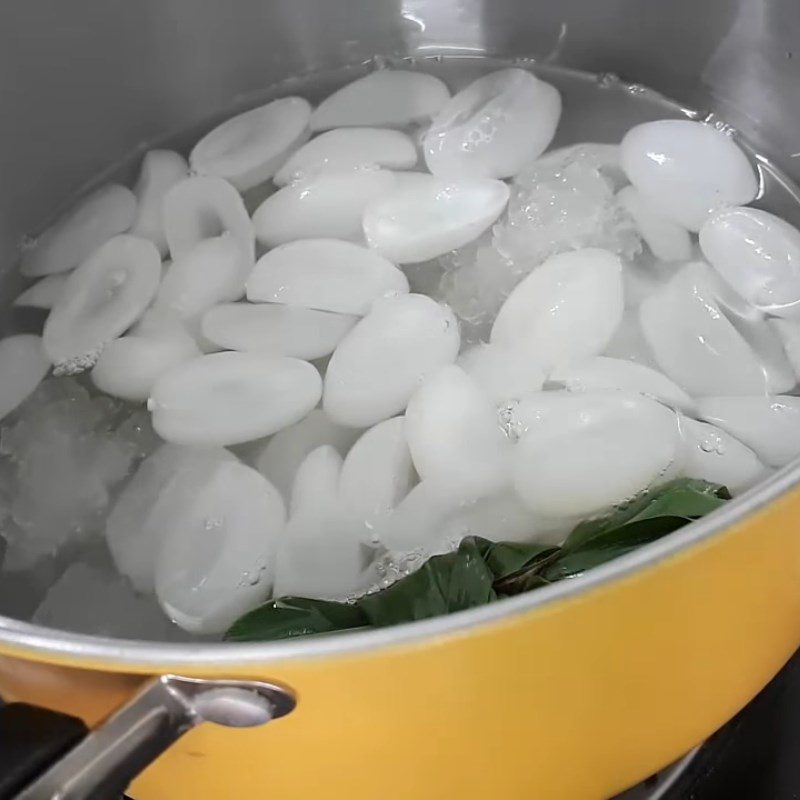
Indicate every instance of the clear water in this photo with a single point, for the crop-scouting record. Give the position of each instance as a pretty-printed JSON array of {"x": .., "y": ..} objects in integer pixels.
[{"x": 596, "y": 108}]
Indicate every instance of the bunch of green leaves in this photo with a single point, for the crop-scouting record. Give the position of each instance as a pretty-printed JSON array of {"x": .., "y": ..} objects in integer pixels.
[{"x": 479, "y": 571}]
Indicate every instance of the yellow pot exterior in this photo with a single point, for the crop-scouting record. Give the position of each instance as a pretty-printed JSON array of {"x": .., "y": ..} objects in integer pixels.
[{"x": 573, "y": 700}]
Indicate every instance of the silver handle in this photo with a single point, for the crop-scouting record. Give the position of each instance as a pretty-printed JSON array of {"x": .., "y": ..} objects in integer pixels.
[{"x": 110, "y": 756}]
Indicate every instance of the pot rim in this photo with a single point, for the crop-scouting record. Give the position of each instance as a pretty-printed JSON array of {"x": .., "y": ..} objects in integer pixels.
[{"x": 119, "y": 654}]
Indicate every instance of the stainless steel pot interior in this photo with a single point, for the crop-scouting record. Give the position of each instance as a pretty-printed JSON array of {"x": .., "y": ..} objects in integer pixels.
[{"x": 86, "y": 82}]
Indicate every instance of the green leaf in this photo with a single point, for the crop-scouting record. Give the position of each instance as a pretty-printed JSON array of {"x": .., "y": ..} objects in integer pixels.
[
  {"x": 685, "y": 498},
  {"x": 646, "y": 519},
  {"x": 481, "y": 570},
  {"x": 444, "y": 584},
  {"x": 506, "y": 558},
  {"x": 295, "y": 616}
]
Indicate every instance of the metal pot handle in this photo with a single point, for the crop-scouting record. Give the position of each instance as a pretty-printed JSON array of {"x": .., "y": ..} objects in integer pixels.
[{"x": 107, "y": 759}]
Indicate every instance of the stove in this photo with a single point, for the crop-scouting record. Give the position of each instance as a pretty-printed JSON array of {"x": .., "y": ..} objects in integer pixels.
[{"x": 756, "y": 756}]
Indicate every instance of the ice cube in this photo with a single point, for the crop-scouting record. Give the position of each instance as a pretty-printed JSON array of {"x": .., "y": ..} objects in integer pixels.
[
  {"x": 580, "y": 454},
  {"x": 324, "y": 274},
  {"x": 769, "y": 425},
  {"x": 133, "y": 542},
  {"x": 202, "y": 207},
  {"x": 493, "y": 127},
  {"x": 280, "y": 457},
  {"x": 429, "y": 218},
  {"x": 159, "y": 172},
  {"x": 208, "y": 274},
  {"x": 503, "y": 517},
  {"x": 328, "y": 205},
  {"x": 381, "y": 362},
  {"x": 321, "y": 553},
  {"x": 101, "y": 299},
  {"x": 666, "y": 239},
  {"x": 221, "y": 530},
  {"x": 249, "y": 148},
  {"x": 130, "y": 366},
  {"x": 230, "y": 398},
  {"x": 789, "y": 332},
  {"x": 394, "y": 98},
  {"x": 694, "y": 343},
  {"x": 276, "y": 329},
  {"x": 88, "y": 599},
  {"x": 348, "y": 148},
  {"x": 377, "y": 473},
  {"x": 758, "y": 254},
  {"x": 501, "y": 373},
  {"x": 90, "y": 223},
  {"x": 315, "y": 490},
  {"x": 453, "y": 433},
  {"x": 604, "y": 373},
  {"x": 564, "y": 311},
  {"x": 711, "y": 454},
  {"x": 687, "y": 169},
  {"x": 629, "y": 343}
]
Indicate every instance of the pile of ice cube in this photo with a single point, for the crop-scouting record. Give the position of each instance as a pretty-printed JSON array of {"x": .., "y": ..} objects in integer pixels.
[{"x": 596, "y": 320}]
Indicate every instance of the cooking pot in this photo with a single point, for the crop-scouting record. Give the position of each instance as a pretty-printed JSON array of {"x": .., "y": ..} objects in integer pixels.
[{"x": 577, "y": 690}]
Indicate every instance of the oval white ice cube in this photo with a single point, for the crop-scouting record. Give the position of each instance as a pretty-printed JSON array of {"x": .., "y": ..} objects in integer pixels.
[
  {"x": 315, "y": 489},
  {"x": 687, "y": 169},
  {"x": 203, "y": 207},
  {"x": 788, "y": 331},
  {"x": 377, "y": 472},
  {"x": 229, "y": 398},
  {"x": 321, "y": 552},
  {"x": 453, "y": 433},
  {"x": 319, "y": 557},
  {"x": 582, "y": 453},
  {"x": 755, "y": 329},
  {"x": 349, "y": 148},
  {"x": 43, "y": 293},
  {"x": 694, "y": 343},
  {"x": 711, "y": 454},
  {"x": 566, "y": 310},
  {"x": 769, "y": 425},
  {"x": 134, "y": 544},
  {"x": 276, "y": 329},
  {"x": 503, "y": 517},
  {"x": 758, "y": 254},
  {"x": 91, "y": 222},
  {"x": 394, "y": 98},
  {"x": 159, "y": 172},
  {"x": 101, "y": 299},
  {"x": 501, "y": 373},
  {"x": 328, "y": 205},
  {"x": 324, "y": 274},
  {"x": 603, "y": 374},
  {"x": 129, "y": 366},
  {"x": 221, "y": 533},
  {"x": 667, "y": 240},
  {"x": 386, "y": 357},
  {"x": 281, "y": 456},
  {"x": 208, "y": 274},
  {"x": 249, "y": 148},
  {"x": 427, "y": 218},
  {"x": 23, "y": 365},
  {"x": 493, "y": 127}
]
